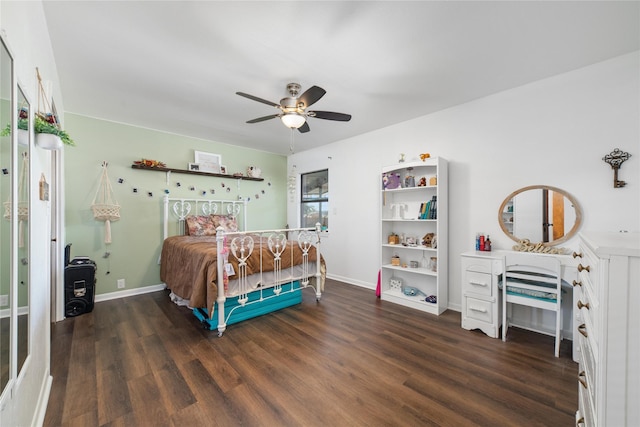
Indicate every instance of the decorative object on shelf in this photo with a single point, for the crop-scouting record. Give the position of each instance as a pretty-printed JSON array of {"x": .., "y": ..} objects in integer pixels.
[
  {"x": 424, "y": 156},
  {"x": 526, "y": 246},
  {"x": 413, "y": 264},
  {"x": 208, "y": 162},
  {"x": 395, "y": 284},
  {"x": 423, "y": 182},
  {"x": 398, "y": 209},
  {"x": 390, "y": 181},
  {"x": 409, "y": 181},
  {"x": 410, "y": 291},
  {"x": 194, "y": 167},
  {"x": 616, "y": 158},
  {"x": 431, "y": 299},
  {"x": 433, "y": 263},
  {"x": 254, "y": 171},
  {"x": 394, "y": 239},
  {"x": 395, "y": 260},
  {"x": 401, "y": 158},
  {"x": 105, "y": 207},
  {"x": 223, "y": 169},
  {"x": 148, "y": 163},
  {"x": 433, "y": 180},
  {"x": 427, "y": 240}
]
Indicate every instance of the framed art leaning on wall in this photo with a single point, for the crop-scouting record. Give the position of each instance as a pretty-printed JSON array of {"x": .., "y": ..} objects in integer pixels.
[{"x": 208, "y": 162}]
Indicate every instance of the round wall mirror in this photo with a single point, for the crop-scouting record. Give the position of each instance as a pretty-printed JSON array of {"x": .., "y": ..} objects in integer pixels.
[{"x": 540, "y": 214}]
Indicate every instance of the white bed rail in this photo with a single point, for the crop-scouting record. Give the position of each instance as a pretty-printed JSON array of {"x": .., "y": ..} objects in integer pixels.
[
  {"x": 241, "y": 245},
  {"x": 183, "y": 207}
]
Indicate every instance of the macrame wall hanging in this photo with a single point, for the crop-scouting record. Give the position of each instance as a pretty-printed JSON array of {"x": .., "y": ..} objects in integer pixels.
[
  {"x": 23, "y": 200},
  {"x": 105, "y": 207}
]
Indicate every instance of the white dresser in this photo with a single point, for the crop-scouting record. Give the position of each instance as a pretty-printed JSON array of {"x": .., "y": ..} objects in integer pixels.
[
  {"x": 607, "y": 313},
  {"x": 480, "y": 294}
]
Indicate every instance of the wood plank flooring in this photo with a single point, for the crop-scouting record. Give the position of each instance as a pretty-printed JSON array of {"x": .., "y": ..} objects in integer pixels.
[{"x": 350, "y": 360}]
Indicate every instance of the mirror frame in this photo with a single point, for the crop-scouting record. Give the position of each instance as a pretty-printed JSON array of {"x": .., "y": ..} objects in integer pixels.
[{"x": 566, "y": 236}]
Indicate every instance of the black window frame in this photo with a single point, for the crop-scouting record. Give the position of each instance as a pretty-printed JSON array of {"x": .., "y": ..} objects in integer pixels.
[{"x": 321, "y": 200}]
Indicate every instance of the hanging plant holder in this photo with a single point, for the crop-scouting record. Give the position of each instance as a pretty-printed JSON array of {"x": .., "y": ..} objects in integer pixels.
[
  {"x": 23, "y": 201},
  {"x": 105, "y": 207},
  {"x": 48, "y": 133}
]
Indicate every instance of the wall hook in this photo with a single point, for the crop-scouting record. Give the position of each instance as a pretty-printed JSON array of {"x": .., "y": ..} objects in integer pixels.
[{"x": 616, "y": 158}]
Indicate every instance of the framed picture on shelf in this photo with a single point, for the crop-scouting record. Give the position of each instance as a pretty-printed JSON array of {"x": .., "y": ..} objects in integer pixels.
[
  {"x": 194, "y": 167},
  {"x": 208, "y": 162},
  {"x": 223, "y": 169}
]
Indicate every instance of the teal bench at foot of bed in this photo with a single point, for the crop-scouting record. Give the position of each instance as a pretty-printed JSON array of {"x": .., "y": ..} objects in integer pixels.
[{"x": 259, "y": 303}]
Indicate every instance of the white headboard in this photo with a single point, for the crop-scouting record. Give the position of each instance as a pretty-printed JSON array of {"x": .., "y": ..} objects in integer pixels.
[{"x": 176, "y": 210}]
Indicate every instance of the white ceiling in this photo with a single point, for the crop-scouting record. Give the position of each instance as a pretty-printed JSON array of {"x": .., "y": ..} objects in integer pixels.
[{"x": 176, "y": 65}]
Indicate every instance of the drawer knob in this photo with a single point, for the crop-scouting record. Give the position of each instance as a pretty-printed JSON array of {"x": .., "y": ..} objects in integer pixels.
[
  {"x": 582, "y": 379},
  {"x": 577, "y": 254},
  {"x": 581, "y": 305},
  {"x": 576, "y": 283},
  {"x": 580, "y": 422},
  {"x": 583, "y": 330},
  {"x": 581, "y": 267}
]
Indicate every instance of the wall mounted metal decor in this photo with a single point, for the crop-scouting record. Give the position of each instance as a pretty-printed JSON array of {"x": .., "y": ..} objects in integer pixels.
[{"x": 616, "y": 158}]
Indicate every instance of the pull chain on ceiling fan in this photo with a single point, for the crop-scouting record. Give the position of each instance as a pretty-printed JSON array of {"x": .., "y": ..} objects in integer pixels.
[{"x": 293, "y": 109}]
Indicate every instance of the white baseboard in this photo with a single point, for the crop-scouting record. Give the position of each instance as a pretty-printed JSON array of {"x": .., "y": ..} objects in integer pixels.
[
  {"x": 352, "y": 282},
  {"x": 129, "y": 292},
  {"x": 43, "y": 400}
]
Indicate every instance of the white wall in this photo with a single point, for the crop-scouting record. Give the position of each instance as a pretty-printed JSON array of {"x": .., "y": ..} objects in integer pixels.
[
  {"x": 554, "y": 132},
  {"x": 25, "y": 30}
]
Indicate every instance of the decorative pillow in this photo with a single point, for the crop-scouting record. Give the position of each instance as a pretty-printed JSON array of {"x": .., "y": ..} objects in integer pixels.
[
  {"x": 201, "y": 225},
  {"x": 229, "y": 223}
]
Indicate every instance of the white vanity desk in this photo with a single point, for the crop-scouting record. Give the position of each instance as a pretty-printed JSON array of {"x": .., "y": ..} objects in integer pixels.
[{"x": 481, "y": 297}]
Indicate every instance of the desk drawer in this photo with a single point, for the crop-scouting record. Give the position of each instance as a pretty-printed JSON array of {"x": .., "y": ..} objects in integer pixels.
[
  {"x": 477, "y": 283},
  {"x": 479, "y": 310}
]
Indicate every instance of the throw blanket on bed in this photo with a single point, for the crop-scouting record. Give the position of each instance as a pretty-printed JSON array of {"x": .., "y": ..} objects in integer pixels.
[{"x": 189, "y": 266}]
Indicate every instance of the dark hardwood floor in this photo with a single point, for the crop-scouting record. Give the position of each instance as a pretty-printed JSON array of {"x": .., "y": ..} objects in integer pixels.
[{"x": 350, "y": 360}]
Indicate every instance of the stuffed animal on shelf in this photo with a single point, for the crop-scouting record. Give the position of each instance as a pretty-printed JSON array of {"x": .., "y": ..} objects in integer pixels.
[
  {"x": 390, "y": 180},
  {"x": 423, "y": 182},
  {"x": 427, "y": 240},
  {"x": 424, "y": 156},
  {"x": 254, "y": 172}
]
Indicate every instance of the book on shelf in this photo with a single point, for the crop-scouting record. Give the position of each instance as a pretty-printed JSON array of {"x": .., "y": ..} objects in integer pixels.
[
  {"x": 433, "y": 208},
  {"x": 429, "y": 210}
]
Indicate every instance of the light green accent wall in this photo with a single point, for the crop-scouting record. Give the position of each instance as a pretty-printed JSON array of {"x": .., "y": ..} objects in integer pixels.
[{"x": 137, "y": 236}]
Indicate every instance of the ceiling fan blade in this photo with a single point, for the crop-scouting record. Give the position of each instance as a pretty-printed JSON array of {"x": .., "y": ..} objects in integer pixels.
[
  {"x": 262, "y": 119},
  {"x": 255, "y": 98},
  {"x": 311, "y": 96},
  {"x": 330, "y": 115},
  {"x": 304, "y": 128}
]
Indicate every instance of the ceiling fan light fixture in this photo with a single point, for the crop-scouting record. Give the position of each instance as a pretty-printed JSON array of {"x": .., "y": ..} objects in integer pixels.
[{"x": 293, "y": 120}]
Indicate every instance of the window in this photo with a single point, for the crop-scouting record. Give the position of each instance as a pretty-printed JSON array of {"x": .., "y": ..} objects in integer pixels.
[{"x": 314, "y": 199}]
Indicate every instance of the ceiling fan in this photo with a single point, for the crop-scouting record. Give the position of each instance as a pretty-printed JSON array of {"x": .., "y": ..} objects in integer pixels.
[{"x": 293, "y": 108}]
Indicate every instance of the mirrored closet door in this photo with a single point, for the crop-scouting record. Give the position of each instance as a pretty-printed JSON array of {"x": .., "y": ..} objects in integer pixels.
[{"x": 6, "y": 172}]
